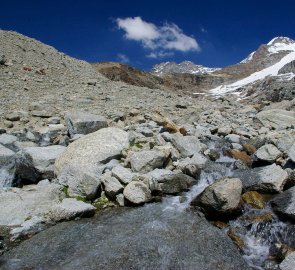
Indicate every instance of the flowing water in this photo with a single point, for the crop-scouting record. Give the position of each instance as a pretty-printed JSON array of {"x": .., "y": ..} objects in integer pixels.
[{"x": 166, "y": 234}]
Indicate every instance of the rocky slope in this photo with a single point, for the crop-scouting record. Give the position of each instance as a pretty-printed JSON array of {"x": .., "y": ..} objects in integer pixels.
[{"x": 74, "y": 142}]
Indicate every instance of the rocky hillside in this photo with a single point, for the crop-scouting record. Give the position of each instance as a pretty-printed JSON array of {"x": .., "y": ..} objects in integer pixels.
[{"x": 215, "y": 175}]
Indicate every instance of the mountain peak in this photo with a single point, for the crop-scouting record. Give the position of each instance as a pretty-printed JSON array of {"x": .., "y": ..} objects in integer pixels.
[
  {"x": 183, "y": 67},
  {"x": 284, "y": 40}
]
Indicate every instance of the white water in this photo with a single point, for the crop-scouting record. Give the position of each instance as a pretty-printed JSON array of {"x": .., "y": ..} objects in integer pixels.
[{"x": 259, "y": 237}]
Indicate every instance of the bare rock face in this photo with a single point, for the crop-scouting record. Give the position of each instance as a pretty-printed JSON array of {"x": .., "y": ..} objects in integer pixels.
[{"x": 222, "y": 197}]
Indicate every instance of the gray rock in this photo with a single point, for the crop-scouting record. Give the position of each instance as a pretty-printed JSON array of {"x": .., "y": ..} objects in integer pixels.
[
  {"x": 186, "y": 145},
  {"x": 37, "y": 163},
  {"x": 175, "y": 183},
  {"x": 41, "y": 113},
  {"x": 147, "y": 160},
  {"x": 284, "y": 203},
  {"x": 233, "y": 138},
  {"x": 68, "y": 209},
  {"x": 162, "y": 236},
  {"x": 276, "y": 118},
  {"x": 237, "y": 146},
  {"x": 93, "y": 150},
  {"x": 123, "y": 174},
  {"x": 268, "y": 153},
  {"x": 84, "y": 123},
  {"x": 53, "y": 120},
  {"x": 145, "y": 131},
  {"x": 6, "y": 155},
  {"x": 112, "y": 186},
  {"x": 222, "y": 197},
  {"x": 192, "y": 166},
  {"x": 137, "y": 192},
  {"x": 13, "y": 116},
  {"x": 223, "y": 131},
  {"x": 288, "y": 263},
  {"x": 7, "y": 167},
  {"x": 120, "y": 199},
  {"x": 292, "y": 153},
  {"x": 79, "y": 183},
  {"x": 8, "y": 140},
  {"x": 267, "y": 179},
  {"x": 32, "y": 200},
  {"x": 29, "y": 227}
]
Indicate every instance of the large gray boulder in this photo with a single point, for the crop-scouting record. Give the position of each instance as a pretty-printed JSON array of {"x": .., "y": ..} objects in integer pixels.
[
  {"x": 292, "y": 153},
  {"x": 88, "y": 153},
  {"x": 268, "y": 152},
  {"x": 37, "y": 163},
  {"x": 147, "y": 160},
  {"x": 284, "y": 203},
  {"x": 84, "y": 123},
  {"x": 288, "y": 263},
  {"x": 20, "y": 204},
  {"x": 186, "y": 145},
  {"x": 267, "y": 179},
  {"x": 137, "y": 192},
  {"x": 276, "y": 118},
  {"x": 149, "y": 237},
  {"x": 6, "y": 155},
  {"x": 222, "y": 197}
]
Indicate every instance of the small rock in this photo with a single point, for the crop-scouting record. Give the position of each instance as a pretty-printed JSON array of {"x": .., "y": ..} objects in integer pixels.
[
  {"x": 254, "y": 199},
  {"x": 13, "y": 117},
  {"x": 268, "y": 153},
  {"x": 124, "y": 175},
  {"x": 145, "y": 161},
  {"x": 112, "y": 186},
  {"x": 137, "y": 192}
]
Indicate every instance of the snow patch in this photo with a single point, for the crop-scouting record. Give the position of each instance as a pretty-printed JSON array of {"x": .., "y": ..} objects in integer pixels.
[{"x": 270, "y": 71}]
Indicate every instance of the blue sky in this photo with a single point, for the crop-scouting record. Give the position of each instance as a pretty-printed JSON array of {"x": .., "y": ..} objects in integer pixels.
[{"x": 143, "y": 33}]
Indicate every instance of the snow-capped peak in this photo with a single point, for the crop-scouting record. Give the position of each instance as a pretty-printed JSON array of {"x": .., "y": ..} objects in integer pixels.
[
  {"x": 279, "y": 44},
  {"x": 276, "y": 45},
  {"x": 183, "y": 67}
]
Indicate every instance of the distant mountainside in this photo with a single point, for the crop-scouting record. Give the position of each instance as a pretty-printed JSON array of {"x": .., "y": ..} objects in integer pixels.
[
  {"x": 183, "y": 67},
  {"x": 267, "y": 73}
]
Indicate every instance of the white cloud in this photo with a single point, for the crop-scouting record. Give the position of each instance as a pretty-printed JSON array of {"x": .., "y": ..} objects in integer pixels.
[
  {"x": 160, "y": 40},
  {"x": 159, "y": 54},
  {"x": 123, "y": 58}
]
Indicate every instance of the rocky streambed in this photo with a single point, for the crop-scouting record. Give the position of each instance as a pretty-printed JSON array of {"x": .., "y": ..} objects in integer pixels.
[{"x": 153, "y": 194}]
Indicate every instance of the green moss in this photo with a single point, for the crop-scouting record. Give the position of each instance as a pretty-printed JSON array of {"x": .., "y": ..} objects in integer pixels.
[{"x": 138, "y": 145}]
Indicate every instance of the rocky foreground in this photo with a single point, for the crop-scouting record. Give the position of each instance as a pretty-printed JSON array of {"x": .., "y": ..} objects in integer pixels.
[{"x": 73, "y": 143}]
